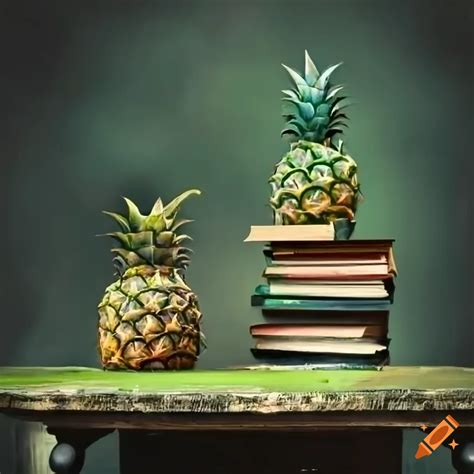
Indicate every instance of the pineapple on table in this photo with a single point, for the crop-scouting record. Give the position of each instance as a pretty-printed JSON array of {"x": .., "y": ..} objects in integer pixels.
[
  {"x": 149, "y": 318},
  {"x": 315, "y": 182}
]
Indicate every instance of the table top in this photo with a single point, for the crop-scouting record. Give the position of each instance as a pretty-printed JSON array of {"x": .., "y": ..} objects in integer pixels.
[{"x": 236, "y": 391}]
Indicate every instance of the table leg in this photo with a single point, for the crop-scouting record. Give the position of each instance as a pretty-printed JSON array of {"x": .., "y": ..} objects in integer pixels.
[
  {"x": 280, "y": 452},
  {"x": 68, "y": 456},
  {"x": 462, "y": 456}
]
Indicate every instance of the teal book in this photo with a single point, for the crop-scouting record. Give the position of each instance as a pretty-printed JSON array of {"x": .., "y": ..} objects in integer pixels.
[{"x": 322, "y": 304}]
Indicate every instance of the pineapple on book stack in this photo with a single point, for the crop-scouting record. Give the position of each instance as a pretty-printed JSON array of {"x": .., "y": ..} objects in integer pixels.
[{"x": 326, "y": 299}]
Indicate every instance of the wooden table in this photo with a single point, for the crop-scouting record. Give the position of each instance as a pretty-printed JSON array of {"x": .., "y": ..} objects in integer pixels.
[{"x": 213, "y": 421}]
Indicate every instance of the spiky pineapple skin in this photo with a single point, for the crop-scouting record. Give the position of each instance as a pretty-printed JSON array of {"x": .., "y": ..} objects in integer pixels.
[
  {"x": 314, "y": 184},
  {"x": 149, "y": 319}
]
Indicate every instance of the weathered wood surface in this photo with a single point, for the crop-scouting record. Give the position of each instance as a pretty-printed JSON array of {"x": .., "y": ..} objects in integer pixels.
[
  {"x": 280, "y": 421},
  {"x": 236, "y": 391}
]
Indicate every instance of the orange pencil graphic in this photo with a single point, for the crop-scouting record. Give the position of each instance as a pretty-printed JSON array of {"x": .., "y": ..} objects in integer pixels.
[{"x": 436, "y": 437}]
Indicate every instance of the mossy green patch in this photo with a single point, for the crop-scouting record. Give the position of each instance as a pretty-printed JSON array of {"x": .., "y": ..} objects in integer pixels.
[{"x": 245, "y": 381}]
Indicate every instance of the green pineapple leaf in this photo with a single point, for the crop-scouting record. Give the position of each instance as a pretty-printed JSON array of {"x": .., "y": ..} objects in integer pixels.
[
  {"x": 172, "y": 207},
  {"x": 306, "y": 93},
  {"x": 316, "y": 96},
  {"x": 319, "y": 122},
  {"x": 202, "y": 342},
  {"x": 333, "y": 131},
  {"x": 323, "y": 79},
  {"x": 290, "y": 93},
  {"x": 288, "y": 110},
  {"x": 333, "y": 91},
  {"x": 291, "y": 129},
  {"x": 141, "y": 239},
  {"x": 154, "y": 222},
  {"x": 339, "y": 115},
  {"x": 305, "y": 109},
  {"x": 336, "y": 103},
  {"x": 297, "y": 79},
  {"x": 121, "y": 220},
  {"x": 147, "y": 253},
  {"x": 120, "y": 237},
  {"x": 134, "y": 216},
  {"x": 299, "y": 122},
  {"x": 181, "y": 238},
  {"x": 311, "y": 73},
  {"x": 165, "y": 238},
  {"x": 120, "y": 264},
  {"x": 338, "y": 123},
  {"x": 179, "y": 222},
  {"x": 131, "y": 258},
  {"x": 340, "y": 147},
  {"x": 157, "y": 208},
  {"x": 323, "y": 109},
  {"x": 164, "y": 256}
]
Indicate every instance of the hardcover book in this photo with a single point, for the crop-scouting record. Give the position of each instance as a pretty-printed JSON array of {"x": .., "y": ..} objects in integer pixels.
[
  {"x": 304, "y": 360},
  {"x": 309, "y": 304}
]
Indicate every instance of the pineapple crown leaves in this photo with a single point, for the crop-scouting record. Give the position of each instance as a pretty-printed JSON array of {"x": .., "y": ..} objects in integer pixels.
[
  {"x": 151, "y": 239},
  {"x": 313, "y": 109},
  {"x": 161, "y": 218}
]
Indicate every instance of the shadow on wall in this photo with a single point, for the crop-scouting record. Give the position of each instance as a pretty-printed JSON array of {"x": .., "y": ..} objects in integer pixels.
[{"x": 34, "y": 41}]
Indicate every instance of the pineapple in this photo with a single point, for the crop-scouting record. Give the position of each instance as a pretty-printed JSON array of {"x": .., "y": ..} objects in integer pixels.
[
  {"x": 149, "y": 318},
  {"x": 315, "y": 182}
]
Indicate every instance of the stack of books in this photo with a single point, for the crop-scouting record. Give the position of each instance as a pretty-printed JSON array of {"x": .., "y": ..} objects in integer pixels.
[{"x": 326, "y": 302}]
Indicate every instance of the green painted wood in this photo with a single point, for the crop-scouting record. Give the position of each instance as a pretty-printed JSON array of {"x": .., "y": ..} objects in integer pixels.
[
  {"x": 248, "y": 381},
  {"x": 236, "y": 391}
]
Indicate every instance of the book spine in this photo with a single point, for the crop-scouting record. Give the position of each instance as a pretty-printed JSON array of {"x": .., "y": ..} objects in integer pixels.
[
  {"x": 320, "y": 304},
  {"x": 341, "y": 278}
]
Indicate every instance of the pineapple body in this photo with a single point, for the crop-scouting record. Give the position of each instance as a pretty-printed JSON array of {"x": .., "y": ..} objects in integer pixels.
[
  {"x": 314, "y": 184},
  {"x": 149, "y": 318},
  {"x": 316, "y": 181}
]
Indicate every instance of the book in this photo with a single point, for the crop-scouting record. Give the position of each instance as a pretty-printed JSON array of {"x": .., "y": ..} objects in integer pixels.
[
  {"x": 333, "y": 246},
  {"x": 365, "y": 290},
  {"x": 337, "y": 278},
  {"x": 324, "y": 260},
  {"x": 312, "y": 360},
  {"x": 348, "y": 253},
  {"x": 295, "y": 233},
  {"x": 318, "y": 330},
  {"x": 296, "y": 255},
  {"x": 322, "y": 345},
  {"x": 369, "y": 282},
  {"x": 348, "y": 304},
  {"x": 326, "y": 271},
  {"x": 350, "y": 317}
]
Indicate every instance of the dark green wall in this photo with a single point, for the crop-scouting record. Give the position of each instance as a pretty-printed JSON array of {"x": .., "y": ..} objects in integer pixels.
[{"x": 146, "y": 98}]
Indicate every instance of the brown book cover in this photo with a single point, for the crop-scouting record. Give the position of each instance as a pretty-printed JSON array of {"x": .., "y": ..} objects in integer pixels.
[{"x": 335, "y": 278}]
